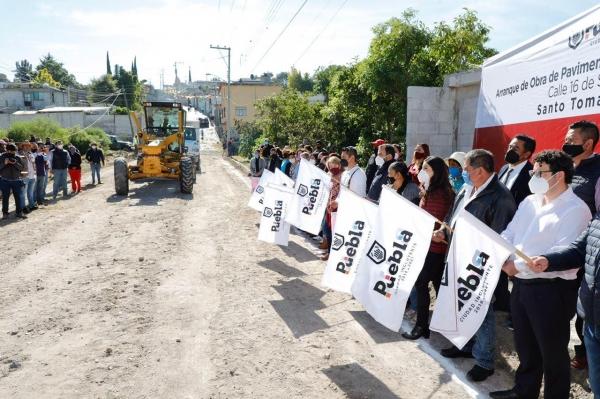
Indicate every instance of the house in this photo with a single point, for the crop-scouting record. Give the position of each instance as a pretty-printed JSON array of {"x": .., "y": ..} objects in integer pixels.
[
  {"x": 30, "y": 96},
  {"x": 244, "y": 96}
]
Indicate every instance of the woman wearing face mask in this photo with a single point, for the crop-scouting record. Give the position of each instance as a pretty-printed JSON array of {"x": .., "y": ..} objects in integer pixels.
[
  {"x": 398, "y": 156},
  {"x": 421, "y": 152},
  {"x": 455, "y": 168},
  {"x": 334, "y": 165},
  {"x": 437, "y": 199},
  {"x": 400, "y": 181}
]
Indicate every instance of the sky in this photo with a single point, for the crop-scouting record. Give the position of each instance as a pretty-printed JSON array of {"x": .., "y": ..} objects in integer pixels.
[{"x": 161, "y": 33}]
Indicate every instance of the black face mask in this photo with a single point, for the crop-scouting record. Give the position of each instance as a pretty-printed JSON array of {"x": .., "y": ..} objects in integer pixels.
[
  {"x": 573, "y": 149},
  {"x": 344, "y": 163},
  {"x": 511, "y": 157},
  {"x": 391, "y": 180}
]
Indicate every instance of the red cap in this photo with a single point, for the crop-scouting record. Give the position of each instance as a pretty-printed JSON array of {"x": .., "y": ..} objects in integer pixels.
[{"x": 378, "y": 142}]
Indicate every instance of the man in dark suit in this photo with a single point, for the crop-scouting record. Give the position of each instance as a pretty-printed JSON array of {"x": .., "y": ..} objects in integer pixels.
[{"x": 514, "y": 174}]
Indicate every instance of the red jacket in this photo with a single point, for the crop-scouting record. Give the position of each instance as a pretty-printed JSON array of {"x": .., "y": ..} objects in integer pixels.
[{"x": 437, "y": 203}]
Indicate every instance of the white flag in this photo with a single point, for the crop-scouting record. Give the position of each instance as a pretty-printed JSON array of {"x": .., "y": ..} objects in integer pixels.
[
  {"x": 258, "y": 195},
  {"x": 393, "y": 258},
  {"x": 273, "y": 228},
  {"x": 283, "y": 179},
  {"x": 473, "y": 266},
  {"x": 309, "y": 202},
  {"x": 352, "y": 229}
]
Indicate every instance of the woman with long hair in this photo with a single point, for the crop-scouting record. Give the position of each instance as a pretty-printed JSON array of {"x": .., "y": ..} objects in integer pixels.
[
  {"x": 420, "y": 153},
  {"x": 437, "y": 199},
  {"x": 334, "y": 166}
]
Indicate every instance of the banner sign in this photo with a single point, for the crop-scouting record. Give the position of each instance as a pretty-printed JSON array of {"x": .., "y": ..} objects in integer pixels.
[
  {"x": 258, "y": 195},
  {"x": 309, "y": 202},
  {"x": 541, "y": 86},
  {"x": 352, "y": 229},
  {"x": 474, "y": 262},
  {"x": 393, "y": 259},
  {"x": 283, "y": 179},
  {"x": 273, "y": 228}
]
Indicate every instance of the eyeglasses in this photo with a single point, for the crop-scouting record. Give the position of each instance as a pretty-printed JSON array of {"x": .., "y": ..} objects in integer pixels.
[{"x": 538, "y": 173}]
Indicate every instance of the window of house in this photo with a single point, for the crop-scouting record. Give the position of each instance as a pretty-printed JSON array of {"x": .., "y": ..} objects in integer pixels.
[
  {"x": 36, "y": 96},
  {"x": 27, "y": 99},
  {"x": 241, "y": 111}
]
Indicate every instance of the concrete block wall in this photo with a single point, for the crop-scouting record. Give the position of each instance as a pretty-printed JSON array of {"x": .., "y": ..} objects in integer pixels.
[{"x": 443, "y": 117}]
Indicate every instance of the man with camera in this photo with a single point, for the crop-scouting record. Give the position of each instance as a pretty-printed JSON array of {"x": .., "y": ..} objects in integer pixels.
[{"x": 11, "y": 166}]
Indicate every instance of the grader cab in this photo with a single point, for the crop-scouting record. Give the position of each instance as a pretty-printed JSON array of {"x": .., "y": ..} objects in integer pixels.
[{"x": 160, "y": 149}]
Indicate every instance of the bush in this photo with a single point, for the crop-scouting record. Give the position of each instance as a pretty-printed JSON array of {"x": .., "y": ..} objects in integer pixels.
[
  {"x": 39, "y": 127},
  {"x": 82, "y": 139},
  {"x": 249, "y": 133},
  {"x": 120, "y": 111}
]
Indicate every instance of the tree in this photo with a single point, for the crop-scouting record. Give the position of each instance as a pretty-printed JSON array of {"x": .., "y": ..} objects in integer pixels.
[
  {"x": 100, "y": 89},
  {"x": 322, "y": 78},
  {"x": 459, "y": 46},
  {"x": 3, "y": 77},
  {"x": 44, "y": 77},
  {"x": 135, "y": 71},
  {"x": 131, "y": 87},
  {"x": 23, "y": 71},
  {"x": 108, "y": 67},
  {"x": 298, "y": 82},
  {"x": 57, "y": 70},
  {"x": 282, "y": 79}
]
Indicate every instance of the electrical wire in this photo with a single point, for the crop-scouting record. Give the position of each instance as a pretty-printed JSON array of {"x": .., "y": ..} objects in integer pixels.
[
  {"x": 280, "y": 34},
  {"x": 321, "y": 32}
]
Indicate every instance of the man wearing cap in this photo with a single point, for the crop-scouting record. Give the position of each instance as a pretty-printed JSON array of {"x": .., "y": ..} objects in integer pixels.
[
  {"x": 353, "y": 177},
  {"x": 456, "y": 162},
  {"x": 372, "y": 166}
]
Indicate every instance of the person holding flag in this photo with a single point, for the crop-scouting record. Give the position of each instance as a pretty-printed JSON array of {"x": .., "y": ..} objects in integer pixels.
[
  {"x": 489, "y": 201},
  {"x": 437, "y": 199},
  {"x": 543, "y": 299}
]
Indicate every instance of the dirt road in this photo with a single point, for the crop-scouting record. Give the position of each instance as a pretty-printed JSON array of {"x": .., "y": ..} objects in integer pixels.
[{"x": 164, "y": 295}]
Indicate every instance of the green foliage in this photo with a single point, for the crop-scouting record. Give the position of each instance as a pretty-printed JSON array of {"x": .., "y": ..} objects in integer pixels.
[
  {"x": 82, "y": 139},
  {"x": 100, "y": 88},
  {"x": 282, "y": 78},
  {"x": 249, "y": 132},
  {"x": 131, "y": 87},
  {"x": 108, "y": 66},
  {"x": 39, "y": 127},
  {"x": 23, "y": 71},
  {"x": 322, "y": 78},
  {"x": 298, "y": 82},
  {"x": 57, "y": 70},
  {"x": 120, "y": 111},
  {"x": 44, "y": 77}
]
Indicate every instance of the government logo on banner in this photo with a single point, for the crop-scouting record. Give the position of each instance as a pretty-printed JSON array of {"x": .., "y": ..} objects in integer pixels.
[
  {"x": 396, "y": 252},
  {"x": 474, "y": 262},
  {"x": 273, "y": 227},
  {"x": 352, "y": 229}
]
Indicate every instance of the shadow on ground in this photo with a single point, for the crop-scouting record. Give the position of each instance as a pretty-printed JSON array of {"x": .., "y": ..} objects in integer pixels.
[
  {"x": 358, "y": 383},
  {"x": 151, "y": 192}
]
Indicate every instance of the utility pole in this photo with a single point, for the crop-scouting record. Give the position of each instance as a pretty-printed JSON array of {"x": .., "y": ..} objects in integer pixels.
[
  {"x": 228, "y": 86},
  {"x": 127, "y": 105}
]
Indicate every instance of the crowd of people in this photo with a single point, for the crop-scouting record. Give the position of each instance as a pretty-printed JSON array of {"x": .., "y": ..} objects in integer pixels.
[
  {"x": 545, "y": 204},
  {"x": 26, "y": 168}
]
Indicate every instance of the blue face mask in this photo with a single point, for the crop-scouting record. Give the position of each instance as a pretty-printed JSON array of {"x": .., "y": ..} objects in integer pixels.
[
  {"x": 454, "y": 171},
  {"x": 466, "y": 178}
]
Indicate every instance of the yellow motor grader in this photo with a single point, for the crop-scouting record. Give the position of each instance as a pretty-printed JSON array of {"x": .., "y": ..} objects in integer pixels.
[{"x": 160, "y": 149}]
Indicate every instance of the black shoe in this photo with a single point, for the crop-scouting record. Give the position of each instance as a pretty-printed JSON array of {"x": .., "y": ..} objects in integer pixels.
[
  {"x": 416, "y": 333},
  {"x": 5, "y": 216},
  {"x": 33, "y": 208},
  {"x": 508, "y": 394},
  {"x": 454, "y": 352},
  {"x": 478, "y": 374},
  {"x": 26, "y": 210},
  {"x": 21, "y": 216}
]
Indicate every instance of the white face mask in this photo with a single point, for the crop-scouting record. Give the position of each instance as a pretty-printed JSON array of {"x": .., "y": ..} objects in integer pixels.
[
  {"x": 423, "y": 178},
  {"x": 60, "y": 147},
  {"x": 379, "y": 161},
  {"x": 538, "y": 185},
  {"x": 396, "y": 156}
]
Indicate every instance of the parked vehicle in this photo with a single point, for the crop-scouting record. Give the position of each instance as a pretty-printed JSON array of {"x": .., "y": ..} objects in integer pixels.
[
  {"x": 116, "y": 144},
  {"x": 192, "y": 145}
]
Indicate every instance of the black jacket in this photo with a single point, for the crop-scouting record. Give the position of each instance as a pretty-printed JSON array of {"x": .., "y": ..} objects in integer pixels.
[
  {"x": 95, "y": 156},
  {"x": 75, "y": 160},
  {"x": 584, "y": 251},
  {"x": 520, "y": 188},
  {"x": 584, "y": 180},
  {"x": 371, "y": 170},
  {"x": 379, "y": 180}
]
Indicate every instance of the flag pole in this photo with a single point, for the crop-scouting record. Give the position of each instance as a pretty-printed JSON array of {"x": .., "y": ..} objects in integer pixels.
[{"x": 518, "y": 252}]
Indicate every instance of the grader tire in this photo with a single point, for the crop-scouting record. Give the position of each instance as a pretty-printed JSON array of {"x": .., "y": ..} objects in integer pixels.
[
  {"x": 186, "y": 180},
  {"x": 121, "y": 176}
]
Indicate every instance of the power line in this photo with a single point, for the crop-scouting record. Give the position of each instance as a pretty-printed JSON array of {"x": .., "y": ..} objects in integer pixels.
[
  {"x": 280, "y": 34},
  {"x": 321, "y": 32}
]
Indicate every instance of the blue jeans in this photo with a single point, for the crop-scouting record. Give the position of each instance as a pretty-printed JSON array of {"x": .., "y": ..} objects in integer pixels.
[
  {"x": 482, "y": 345},
  {"x": 95, "y": 172},
  {"x": 592, "y": 347},
  {"x": 16, "y": 187},
  {"x": 30, "y": 188},
  {"x": 60, "y": 182},
  {"x": 40, "y": 188}
]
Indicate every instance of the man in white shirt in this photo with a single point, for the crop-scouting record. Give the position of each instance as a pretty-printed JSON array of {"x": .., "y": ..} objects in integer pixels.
[
  {"x": 353, "y": 177},
  {"x": 543, "y": 304}
]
